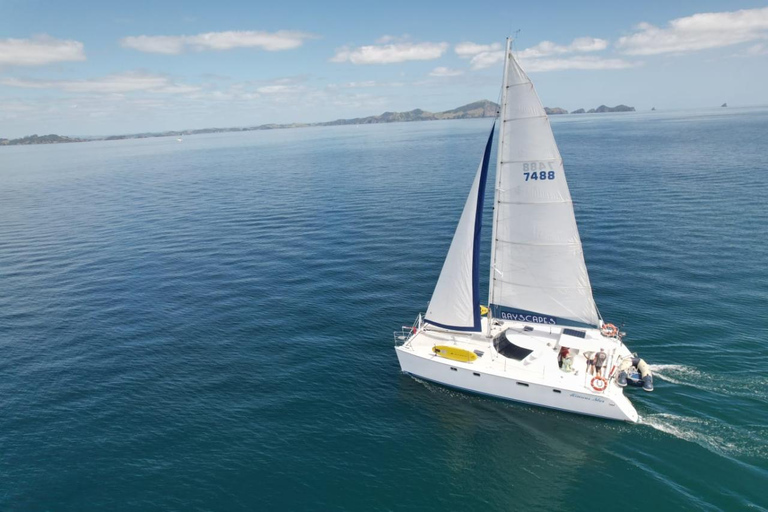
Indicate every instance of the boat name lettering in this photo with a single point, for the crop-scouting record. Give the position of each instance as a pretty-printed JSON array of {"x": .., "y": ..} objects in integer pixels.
[
  {"x": 590, "y": 398},
  {"x": 535, "y": 319}
]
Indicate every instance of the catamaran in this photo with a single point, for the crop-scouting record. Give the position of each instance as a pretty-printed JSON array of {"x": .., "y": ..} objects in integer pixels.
[{"x": 541, "y": 340}]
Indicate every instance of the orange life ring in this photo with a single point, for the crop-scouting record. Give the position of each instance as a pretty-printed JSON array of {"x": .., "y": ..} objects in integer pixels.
[
  {"x": 610, "y": 330},
  {"x": 601, "y": 387}
]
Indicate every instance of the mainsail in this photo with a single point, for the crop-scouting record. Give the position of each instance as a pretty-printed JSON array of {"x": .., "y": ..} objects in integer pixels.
[
  {"x": 538, "y": 272},
  {"x": 455, "y": 303}
]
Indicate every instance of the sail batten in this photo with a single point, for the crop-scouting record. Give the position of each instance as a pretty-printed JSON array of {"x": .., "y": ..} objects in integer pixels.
[{"x": 538, "y": 273}]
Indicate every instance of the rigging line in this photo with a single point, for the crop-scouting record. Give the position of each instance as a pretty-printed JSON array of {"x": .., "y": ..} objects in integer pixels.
[
  {"x": 514, "y": 38},
  {"x": 531, "y": 244},
  {"x": 567, "y": 201},
  {"x": 499, "y": 97},
  {"x": 542, "y": 287},
  {"x": 518, "y": 84},
  {"x": 526, "y": 161},
  {"x": 513, "y": 119}
]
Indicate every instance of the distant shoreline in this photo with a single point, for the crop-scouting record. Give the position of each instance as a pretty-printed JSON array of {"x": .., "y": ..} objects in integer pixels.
[{"x": 475, "y": 110}]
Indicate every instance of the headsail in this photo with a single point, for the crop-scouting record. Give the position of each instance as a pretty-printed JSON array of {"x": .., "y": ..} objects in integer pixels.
[
  {"x": 538, "y": 272},
  {"x": 455, "y": 303}
]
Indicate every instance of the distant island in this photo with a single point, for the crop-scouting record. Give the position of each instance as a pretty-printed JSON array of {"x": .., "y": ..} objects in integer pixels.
[
  {"x": 603, "y": 109},
  {"x": 38, "y": 139},
  {"x": 478, "y": 109}
]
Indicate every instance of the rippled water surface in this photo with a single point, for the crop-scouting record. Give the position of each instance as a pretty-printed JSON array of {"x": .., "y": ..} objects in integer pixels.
[{"x": 206, "y": 325}]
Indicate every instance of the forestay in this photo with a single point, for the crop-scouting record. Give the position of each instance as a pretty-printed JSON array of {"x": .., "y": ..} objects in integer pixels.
[
  {"x": 455, "y": 303},
  {"x": 538, "y": 272}
]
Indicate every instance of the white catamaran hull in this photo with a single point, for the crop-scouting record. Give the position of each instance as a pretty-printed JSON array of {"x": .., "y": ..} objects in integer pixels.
[
  {"x": 537, "y": 378},
  {"x": 464, "y": 377}
]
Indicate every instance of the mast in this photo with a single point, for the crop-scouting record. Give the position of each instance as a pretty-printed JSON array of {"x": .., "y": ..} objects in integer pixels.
[{"x": 502, "y": 131}]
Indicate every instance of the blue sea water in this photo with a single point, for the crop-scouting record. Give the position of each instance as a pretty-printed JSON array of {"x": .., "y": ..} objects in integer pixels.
[{"x": 206, "y": 325}]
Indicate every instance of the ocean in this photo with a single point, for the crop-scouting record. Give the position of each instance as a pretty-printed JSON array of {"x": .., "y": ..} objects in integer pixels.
[{"x": 207, "y": 324}]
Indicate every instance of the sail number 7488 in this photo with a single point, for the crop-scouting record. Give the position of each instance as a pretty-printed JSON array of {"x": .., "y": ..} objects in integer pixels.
[
  {"x": 541, "y": 175},
  {"x": 537, "y": 171}
]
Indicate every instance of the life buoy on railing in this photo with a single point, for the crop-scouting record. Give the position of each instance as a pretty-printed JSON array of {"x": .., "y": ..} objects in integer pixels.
[
  {"x": 599, "y": 383},
  {"x": 609, "y": 330}
]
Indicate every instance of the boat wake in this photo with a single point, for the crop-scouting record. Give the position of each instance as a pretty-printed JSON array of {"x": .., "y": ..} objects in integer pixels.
[
  {"x": 711, "y": 434},
  {"x": 745, "y": 386}
]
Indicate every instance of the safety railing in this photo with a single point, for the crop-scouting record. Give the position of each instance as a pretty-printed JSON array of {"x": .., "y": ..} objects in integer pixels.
[{"x": 405, "y": 334}]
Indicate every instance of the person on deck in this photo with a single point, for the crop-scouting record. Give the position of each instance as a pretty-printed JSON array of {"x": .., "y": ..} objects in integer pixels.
[{"x": 600, "y": 359}]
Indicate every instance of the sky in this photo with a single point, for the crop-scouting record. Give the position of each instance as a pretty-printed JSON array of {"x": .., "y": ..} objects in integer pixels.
[{"x": 101, "y": 68}]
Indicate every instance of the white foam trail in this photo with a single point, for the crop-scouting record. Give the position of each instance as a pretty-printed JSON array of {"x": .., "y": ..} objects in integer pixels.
[
  {"x": 713, "y": 435},
  {"x": 731, "y": 385}
]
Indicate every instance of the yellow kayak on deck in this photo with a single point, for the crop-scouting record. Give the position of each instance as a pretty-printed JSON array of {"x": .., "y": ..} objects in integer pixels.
[{"x": 454, "y": 353}]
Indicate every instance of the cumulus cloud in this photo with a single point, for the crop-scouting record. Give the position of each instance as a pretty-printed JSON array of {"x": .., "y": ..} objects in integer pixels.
[
  {"x": 385, "y": 39},
  {"x": 486, "y": 59},
  {"x": 364, "y": 83},
  {"x": 698, "y": 32},
  {"x": 173, "y": 45},
  {"x": 467, "y": 50},
  {"x": 390, "y": 53},
  {"x": 578, "y": 45},
  {"x": 575, "y": 62},
  {"x": 280, "y": 89},
  {"x": 443, "y": 72},
  {"x": 545, "y": 56},
  {"x": 111, "y": 84},
  {"x": 757, "y": 49},
  {"x": 39, "y": 50},
  {"x": 481, "y": 55}
]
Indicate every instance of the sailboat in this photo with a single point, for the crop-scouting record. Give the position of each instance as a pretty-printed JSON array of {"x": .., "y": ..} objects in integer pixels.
[{"x": 541, "y": 340}]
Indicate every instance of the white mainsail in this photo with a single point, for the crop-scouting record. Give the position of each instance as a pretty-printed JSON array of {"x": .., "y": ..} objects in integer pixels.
[
  {"x": 538, "y": 272},
  {"x": 455, "y": 303}
]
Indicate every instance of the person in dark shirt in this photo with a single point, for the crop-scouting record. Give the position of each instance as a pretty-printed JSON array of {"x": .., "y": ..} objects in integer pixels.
[{"x": 600, "y": 359}]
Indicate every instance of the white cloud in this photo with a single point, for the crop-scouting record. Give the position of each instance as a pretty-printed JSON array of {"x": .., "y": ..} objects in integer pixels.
[
  {"x": 487, "y": 55},
  {"x": 698, "y": 32},
  {"x": 578, "y": 45},
  {"x": 443, "y": 72},
  {"x": 364, "y": 83},
  {"x": 481, "y": 55},
  {"x": 39, "y": 50},
  {"x": 466, "y": 50},
  {"x": 173, "y": 45},
  {"x": 280, "y": 89},
  {"x": 390, "y": 53},
  {"x": 758, "y": 49},
  {"x": 385, "y": 39},
  {"x": 575, "y": 62},
  {"x": 486, "y": 59},
  {"x": 110, "y": 84}
]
